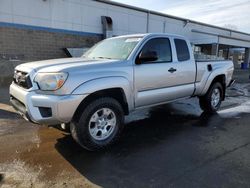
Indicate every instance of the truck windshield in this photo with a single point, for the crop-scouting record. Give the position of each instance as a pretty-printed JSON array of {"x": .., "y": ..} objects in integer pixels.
[{"x": 113, "y": 48}]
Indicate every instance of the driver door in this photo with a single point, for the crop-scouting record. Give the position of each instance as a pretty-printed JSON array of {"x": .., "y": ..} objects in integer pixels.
[{"x": 158, "y": 81}]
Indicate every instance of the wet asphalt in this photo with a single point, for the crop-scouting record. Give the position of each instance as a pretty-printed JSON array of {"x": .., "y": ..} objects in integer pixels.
[{"x": 174, "y": 145}]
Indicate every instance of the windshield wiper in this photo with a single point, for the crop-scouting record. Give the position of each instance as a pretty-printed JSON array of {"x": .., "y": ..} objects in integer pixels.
[{"x": 103, "y": 57}]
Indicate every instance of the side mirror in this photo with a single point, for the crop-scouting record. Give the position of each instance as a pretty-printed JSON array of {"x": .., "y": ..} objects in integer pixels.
[{"x": 148, "y": 56}]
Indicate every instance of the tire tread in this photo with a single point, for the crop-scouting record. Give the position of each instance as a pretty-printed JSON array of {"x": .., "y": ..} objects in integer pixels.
[{"x": 79, "y": 129}]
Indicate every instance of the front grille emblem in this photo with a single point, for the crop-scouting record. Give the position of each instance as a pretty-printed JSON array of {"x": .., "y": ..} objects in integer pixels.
[
  {"x": 18, "y": 77},
  {"x": 22, "y": 79}
]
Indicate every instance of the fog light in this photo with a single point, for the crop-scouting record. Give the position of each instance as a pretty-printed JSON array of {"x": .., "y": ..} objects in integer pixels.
[{"x": 45, "y": 112}]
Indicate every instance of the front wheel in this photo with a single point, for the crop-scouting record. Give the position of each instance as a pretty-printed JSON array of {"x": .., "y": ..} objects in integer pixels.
[
  {"x": 212, "y": 100},
  {"x": 100, "y": 124}
]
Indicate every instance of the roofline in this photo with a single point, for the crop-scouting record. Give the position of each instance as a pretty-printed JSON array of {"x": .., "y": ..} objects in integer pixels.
[
  {"x": 150, "y": 34},
  {"x": 167, "y": 15}
]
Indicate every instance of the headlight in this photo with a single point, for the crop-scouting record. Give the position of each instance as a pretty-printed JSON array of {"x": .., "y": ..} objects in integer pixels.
[{"x": 51, "y": 81}]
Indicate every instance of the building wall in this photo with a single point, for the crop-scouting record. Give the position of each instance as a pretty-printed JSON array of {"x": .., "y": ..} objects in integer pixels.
[
  {"x": 30, "y": 44},
  {"x": 40, "y": 29},
  {"x": 85, "y": 16}
]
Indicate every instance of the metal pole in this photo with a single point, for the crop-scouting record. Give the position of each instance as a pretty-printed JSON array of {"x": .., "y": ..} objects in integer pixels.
[{"x": 148, "y": 21}]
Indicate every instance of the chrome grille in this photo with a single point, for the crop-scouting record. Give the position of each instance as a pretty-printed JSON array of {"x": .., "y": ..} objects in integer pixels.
[{"x": 22, "y": 79}]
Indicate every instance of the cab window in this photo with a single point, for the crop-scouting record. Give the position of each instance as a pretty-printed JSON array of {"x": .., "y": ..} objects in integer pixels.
[
  {"x": 181, "y": 50},
  {"x": 161, "y": 47}
]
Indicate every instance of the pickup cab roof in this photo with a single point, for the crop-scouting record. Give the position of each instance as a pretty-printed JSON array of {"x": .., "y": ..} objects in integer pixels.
[{"x": 144, "y": 35}]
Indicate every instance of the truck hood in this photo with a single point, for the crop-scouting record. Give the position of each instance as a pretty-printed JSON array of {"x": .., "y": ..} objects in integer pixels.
[{"x": 64, "y": 64}]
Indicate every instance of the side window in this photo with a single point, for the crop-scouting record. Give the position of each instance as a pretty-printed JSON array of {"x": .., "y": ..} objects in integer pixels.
[
  {"x": 162, "y": 48},
  {"x": 181, "y": 50}
]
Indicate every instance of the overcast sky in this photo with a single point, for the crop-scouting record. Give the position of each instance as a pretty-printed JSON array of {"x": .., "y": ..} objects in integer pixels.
[{"x": 235, "y": 13}]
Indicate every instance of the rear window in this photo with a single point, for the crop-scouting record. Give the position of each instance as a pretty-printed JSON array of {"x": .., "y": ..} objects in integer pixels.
[{"x": 181, "y": 50}]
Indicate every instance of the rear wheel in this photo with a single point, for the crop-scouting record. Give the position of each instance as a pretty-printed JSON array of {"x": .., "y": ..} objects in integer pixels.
[
  {"x": 212, "y": 100},
  {"x": 100, "y": 124}
]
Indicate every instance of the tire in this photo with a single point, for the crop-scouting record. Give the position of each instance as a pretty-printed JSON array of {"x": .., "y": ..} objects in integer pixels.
[
  {"x": 212, "y": 100},
  {"x": 100, "y": 124}
]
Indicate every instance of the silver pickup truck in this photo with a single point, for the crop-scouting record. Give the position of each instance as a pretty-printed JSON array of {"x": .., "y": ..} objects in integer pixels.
[{"x": 115, "y": 77}]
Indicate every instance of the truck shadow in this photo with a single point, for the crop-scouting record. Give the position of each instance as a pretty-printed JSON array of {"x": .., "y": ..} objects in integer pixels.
[
  {"x": 149, "y": 147},
  {"x": 5, "y": 114}
]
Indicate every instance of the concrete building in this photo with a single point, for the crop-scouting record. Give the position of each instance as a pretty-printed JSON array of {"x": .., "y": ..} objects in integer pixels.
[{"x": 42, "y": 29}]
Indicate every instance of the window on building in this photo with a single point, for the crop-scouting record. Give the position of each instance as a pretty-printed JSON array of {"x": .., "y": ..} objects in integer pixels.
[{"x": 182, "y": 50}]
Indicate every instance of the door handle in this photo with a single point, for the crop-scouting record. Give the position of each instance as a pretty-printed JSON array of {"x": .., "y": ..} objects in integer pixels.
[{"x": 172, "y": 70}]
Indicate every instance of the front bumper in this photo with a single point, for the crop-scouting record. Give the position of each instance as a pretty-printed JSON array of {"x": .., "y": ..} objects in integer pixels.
[{"x": 31, "y": 105}]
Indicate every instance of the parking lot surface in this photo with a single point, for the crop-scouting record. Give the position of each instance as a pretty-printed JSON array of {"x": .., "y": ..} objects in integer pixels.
[{"x": 174, "y": 145}]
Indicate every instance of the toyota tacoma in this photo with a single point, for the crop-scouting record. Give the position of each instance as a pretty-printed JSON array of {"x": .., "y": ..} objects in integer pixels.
[{"x": 93, "y": 93}]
